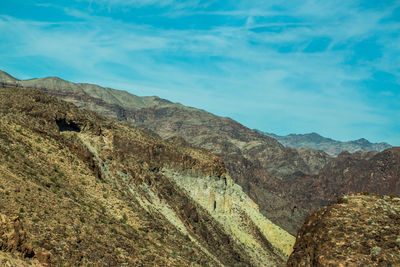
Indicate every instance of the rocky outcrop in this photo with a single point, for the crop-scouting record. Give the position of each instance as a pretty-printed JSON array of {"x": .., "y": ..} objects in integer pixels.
[
  {"x": 230, "y": 206},
  {"x": 360, "y": 230},
  {"x": 14, "y": 243},
  {"x": 13, "y": 237}
]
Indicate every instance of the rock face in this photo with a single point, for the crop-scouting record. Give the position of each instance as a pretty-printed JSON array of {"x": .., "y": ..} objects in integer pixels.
[
  {"x": 286, "y": 183},
  {"x": 229, "y": 205},
  {"x": 360, "y": 230},
  {"x": 330, "y": 146},
  {"x": 14, "y": 241},
  {"x": 91, "y": 191},
  {"x": 13, "y": 236}
]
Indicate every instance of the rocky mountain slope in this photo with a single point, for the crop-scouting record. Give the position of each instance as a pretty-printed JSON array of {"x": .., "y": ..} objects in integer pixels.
[
  {"x": 78, "y": 189},
  {"x": 360, "y": 230},
  {"x": 286, "y": 183},
  {"x": 350, "y": 173},
  {"x": 256, "y": 162},
  {"x": 330, "y": 146}
]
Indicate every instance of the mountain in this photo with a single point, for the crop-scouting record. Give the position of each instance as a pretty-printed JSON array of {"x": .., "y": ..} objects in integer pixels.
[
  {"x": 79, "y": 189},
  {"x": 330, "y": 146},
  {"x": 359, "y": 230},
  {"x": 286, "y": 183},
  {"x": 362, "y": 171},
  {"x": 256, "y": 162}
]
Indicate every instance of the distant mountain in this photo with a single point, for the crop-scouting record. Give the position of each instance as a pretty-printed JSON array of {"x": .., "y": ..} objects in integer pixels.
[
  {"x": 330, "y": 146},
  {"x": 286, "y": 183},
  {"x": 78, "y": 189}
]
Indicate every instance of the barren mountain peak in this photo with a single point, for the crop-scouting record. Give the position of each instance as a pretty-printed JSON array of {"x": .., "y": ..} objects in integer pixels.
[
  {"x": 330, "y": 146},
  {"x": 5, "y": 77}
]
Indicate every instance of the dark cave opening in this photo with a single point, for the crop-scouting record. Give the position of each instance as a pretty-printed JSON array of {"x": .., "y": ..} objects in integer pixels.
[{"x": 64, "y": 125}]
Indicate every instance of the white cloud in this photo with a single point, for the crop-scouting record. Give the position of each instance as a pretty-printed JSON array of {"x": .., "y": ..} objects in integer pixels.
[{"x": 176, "y": 4}]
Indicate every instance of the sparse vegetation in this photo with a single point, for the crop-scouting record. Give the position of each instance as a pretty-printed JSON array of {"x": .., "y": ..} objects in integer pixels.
[
  {"x": 124, "y": 218},
  {"x": 360, "y": 228},
  {"x": 87, "y": 216}
]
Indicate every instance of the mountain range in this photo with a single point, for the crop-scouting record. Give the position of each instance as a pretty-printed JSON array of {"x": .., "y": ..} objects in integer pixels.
[
  {"x": 158, "y": 183},
  {"x": 78, "y": 189},
  {"x": 286, "y": 183},
  {"x": 328, "y": 145}
]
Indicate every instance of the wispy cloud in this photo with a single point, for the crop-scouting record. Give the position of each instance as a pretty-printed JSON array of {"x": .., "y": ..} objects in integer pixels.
[
  {"x": 296, "y": 67},
  {"x": 177, "y": 4}
]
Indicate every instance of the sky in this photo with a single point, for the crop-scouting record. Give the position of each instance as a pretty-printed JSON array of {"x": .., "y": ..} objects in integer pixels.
[{"x": 327, "y": 66}]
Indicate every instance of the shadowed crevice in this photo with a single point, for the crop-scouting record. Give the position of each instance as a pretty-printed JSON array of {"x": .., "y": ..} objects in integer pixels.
[{"x": 64, "y": 125}]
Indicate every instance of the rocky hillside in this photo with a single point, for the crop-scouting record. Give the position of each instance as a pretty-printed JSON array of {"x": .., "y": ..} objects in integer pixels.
[
  {"x": 286, "y": 183},
  {"x": 330, "y": 146},
  {"x": 78, "y": 189},
  {"x": 360, "y": 230},
  {"x": 350, "y": 173},
  {"x": 257, "y": 162}
]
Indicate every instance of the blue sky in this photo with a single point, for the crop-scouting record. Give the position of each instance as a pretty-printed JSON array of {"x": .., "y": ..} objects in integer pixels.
[{"x": 330, "y": 67}]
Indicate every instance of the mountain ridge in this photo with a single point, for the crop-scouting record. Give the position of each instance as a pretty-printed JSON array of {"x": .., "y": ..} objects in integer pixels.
[
  {"x": 332, "y": 147},
  {"x": 111, "y": 96},
  {"x": 85, "y": 186},
  {"x": 286, "y": 183},
  {"x": 309, "y": 140}
]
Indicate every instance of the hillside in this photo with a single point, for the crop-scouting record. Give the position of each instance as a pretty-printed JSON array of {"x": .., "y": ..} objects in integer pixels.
[
  {"x": 359, "y": 230},
  {"x": 256, "y": 162},
  {"x": 78, "y": 189},
  {"x": 286, "y": 183},
  {"x": 330, "y": 146}
]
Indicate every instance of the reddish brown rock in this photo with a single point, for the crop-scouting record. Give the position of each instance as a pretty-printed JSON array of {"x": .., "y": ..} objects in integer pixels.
[
  {"x": 13, "y": 237},
  {"x": 360, "y": 230},
  {"x": 43, "y": 258}
]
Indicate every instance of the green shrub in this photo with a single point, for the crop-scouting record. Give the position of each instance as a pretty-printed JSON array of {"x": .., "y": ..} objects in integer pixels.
[
  {"x": 103, "y": 209},
  {"x": 124, "y": 218}
]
